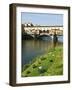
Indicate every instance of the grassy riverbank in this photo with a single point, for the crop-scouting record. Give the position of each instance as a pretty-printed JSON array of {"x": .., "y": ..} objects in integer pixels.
[{"x": 48, "y": 64}]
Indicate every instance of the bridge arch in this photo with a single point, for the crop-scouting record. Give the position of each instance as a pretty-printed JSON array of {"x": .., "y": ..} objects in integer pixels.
[
  {"x": 45, "y": 37},
  {"x": 27, "y": 36}
]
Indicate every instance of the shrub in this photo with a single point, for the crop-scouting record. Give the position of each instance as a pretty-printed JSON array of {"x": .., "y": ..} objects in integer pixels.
[
  {"x": 39, "y": 62},
  {"x": 34, "y": 66},
  {"x": 43, "y": 58},
  {"x": 42, "y": 70},
  {"x": 25, "y": 76},
  {"x": 26, "y": 66},
  {"x": 51, "y": 60},
  {"x": 28, "y": 72}
]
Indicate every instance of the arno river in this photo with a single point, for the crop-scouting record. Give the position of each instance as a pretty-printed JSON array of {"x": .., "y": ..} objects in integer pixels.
[{"x": 32, "y": 48}]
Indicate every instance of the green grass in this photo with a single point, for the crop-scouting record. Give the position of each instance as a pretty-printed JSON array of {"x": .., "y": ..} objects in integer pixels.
[{"x": 49, "y": 64}]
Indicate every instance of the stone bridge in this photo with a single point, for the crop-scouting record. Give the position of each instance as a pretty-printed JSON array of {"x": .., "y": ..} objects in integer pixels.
[{"x": 36, "y": 31}]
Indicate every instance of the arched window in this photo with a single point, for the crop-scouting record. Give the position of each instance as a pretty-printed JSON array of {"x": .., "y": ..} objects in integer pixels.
[
  {"x": 40, "y": 31},
  {"x": 47, "y": 31},
  {"x": 43, "y": 31}
]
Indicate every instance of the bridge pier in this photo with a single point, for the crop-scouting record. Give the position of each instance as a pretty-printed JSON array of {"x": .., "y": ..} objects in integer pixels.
[{"x": 52, "y": 37}]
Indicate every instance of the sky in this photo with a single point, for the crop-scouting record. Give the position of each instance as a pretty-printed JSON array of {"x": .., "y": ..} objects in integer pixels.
[{"x": 46, "y": 19}]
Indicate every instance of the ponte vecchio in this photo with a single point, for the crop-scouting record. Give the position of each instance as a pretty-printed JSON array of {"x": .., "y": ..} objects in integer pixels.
[{"x": 38, "y": 30}]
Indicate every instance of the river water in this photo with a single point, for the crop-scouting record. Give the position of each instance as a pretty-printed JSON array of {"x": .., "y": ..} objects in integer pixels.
[{"x": 33, "y": 48}]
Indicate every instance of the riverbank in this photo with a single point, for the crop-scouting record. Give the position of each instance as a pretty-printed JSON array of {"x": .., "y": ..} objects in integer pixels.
[{"x": 49, "y": 64}]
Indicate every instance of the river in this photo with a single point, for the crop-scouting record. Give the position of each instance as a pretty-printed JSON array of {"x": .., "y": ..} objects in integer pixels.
[{"x": 33, "y": 48}]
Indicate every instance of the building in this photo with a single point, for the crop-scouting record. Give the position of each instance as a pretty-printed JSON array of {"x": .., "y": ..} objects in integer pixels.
[{"x": 41, "y": 30}]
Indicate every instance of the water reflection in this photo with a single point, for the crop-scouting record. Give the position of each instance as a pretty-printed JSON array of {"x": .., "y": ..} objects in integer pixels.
[{"x": 32, "y": 48}]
